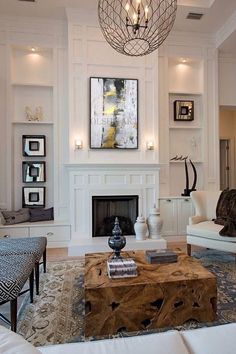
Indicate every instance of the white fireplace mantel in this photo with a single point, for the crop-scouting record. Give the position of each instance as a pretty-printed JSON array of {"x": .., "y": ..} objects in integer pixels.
[{"x": 96, "y": 179}]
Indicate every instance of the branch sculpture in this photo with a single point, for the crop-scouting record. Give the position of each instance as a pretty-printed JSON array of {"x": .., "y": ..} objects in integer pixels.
[{"x": 188, "y": 190}]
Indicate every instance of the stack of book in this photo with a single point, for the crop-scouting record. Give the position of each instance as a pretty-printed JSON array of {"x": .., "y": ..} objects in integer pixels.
[
  {"x": 121, "y": 268},
  {"x": 161, "y": 256}
]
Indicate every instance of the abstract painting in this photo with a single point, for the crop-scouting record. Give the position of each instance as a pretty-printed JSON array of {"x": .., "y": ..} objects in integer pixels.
[{"x": 113, "y": 113}]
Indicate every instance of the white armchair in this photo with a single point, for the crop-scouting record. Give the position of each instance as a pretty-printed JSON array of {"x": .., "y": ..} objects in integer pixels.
[{"x": 202, "y": 231}]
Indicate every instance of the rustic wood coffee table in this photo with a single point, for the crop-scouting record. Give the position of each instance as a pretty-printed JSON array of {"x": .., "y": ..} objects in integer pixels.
[{"x": 161, "y": 295}]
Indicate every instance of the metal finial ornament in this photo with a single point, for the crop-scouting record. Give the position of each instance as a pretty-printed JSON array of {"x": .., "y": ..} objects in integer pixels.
[
  {"x": 136, "y": 27},
  {"x": 116, "y": 241}
]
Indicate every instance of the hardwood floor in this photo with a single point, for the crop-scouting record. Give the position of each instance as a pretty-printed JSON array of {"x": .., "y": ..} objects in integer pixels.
[{"x": 60, "y": 254}]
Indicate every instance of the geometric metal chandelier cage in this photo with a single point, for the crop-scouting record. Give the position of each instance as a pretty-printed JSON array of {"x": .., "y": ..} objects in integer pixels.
[{"x": 136, "y": 27}]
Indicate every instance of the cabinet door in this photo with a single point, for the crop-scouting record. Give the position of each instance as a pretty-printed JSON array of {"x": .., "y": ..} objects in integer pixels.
[
  {"x": 53, "y": 233},
  {"x": 168, "y": 212},
  {"x": 14, "y": 232},
  {"x": 185, "y": 210}
]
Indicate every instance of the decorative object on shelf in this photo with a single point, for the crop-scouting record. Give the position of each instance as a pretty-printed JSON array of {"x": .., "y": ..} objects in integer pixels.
[
  {"x": 33, "y": 197},
  {"x": 150, "y": 145},
  {"x": 140, "y": 228},
  {"x": 34, "y": 145},
  {"x": 188, "y": 190},
  {"x": 179, "y": 158},
  {"x": 136, "y": 27},
  {"x": 116, "y": 241},
  {"x": 33, "y": 171},
  {"x": 113, "y": 113},
  {"x": 35, "y": 117},
  {"x": 78, "y": 144},
  {"x": 183, "y": 110},
  {"x": 154, "y": 223}
]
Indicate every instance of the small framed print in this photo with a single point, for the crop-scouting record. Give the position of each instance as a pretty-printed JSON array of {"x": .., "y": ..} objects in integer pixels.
[
  {"x": 33, "y": 171},
  {"x": 183, "y": 110},
  {"x": 34, "y": 145},
  {"x": 33, "y": 197}
]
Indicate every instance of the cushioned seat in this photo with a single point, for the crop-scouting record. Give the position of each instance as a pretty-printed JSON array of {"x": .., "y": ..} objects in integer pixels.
[
  {"x": 35, "y": 246},
  {"x": 208, "y": 229},
  {"x": 14, "y": 271}
]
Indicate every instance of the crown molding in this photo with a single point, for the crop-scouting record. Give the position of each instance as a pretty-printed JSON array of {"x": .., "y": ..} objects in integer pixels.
[{"x": 226, "y": 30}]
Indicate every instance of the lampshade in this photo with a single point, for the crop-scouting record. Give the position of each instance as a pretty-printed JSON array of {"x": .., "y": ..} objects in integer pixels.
[{"x": 136, "y": 27}]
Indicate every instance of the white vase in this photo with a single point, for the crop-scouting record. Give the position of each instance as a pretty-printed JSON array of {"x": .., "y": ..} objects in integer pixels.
[
  {"x": 155, "y": 223},
  {"x": 140, "y": 228}
]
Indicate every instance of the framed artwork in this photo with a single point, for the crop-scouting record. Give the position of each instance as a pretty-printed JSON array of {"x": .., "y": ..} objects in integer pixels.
[
  {"x": 183, "y": 110},
  {"x": 34, "y": 145},
  {"x": 33, "y": 197},
  {"x": 33, "y": 171},
  {"x": 113, "y": 113}
]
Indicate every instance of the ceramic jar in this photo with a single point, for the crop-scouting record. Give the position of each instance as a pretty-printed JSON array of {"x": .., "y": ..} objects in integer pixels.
[
  {"x": 155, "y": 223},
  {"x": 140, "y": 228}
]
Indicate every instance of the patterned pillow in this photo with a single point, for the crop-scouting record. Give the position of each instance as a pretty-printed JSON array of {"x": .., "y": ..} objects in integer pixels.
[
  {"x": 41, "y": 214},
  {"x": 15, "y": 217}
]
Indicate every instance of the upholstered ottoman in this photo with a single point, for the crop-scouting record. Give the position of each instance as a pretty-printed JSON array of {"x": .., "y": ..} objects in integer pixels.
[
  {"x": 14, "y": 272},
  {"x": 35, "y": 246}
]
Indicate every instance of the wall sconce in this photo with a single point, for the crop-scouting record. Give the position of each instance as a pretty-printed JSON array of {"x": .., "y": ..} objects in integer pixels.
[
  {"x": 78, "y": 144},
  {"x": 150, "y": 145}
]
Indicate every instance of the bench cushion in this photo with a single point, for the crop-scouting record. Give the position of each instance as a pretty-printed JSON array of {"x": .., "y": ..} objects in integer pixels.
[{"x": 208, "y": 229}]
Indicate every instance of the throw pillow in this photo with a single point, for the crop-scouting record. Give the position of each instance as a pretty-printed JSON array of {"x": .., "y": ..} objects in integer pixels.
[
  {"x": 16, "y": 217},
  {"x": 41, "y": 214}
]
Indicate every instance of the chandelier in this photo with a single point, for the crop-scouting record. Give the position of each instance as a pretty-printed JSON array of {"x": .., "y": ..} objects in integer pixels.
[{"x": 136, "y": 27}]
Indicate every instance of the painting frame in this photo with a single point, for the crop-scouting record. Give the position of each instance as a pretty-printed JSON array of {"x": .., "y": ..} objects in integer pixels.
[
  {"x": 33, "y": 171},
  {"x": 33, "y": 197},
  {"x": 34, "y": 145},
  {"x": 113, "y": 113},
  {"x": 183, "y": 110}
]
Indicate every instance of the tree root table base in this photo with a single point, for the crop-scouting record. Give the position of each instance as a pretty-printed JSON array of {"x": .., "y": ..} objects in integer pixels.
[{"x": 162, "y": 295}]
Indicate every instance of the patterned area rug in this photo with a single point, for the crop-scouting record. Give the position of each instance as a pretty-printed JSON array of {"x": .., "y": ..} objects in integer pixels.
[{"x": 57, "y": 315}]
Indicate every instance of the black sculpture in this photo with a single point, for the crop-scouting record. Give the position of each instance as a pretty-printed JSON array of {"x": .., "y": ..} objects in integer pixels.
[
  {"x": 188, "y": 190},
  {"x": 116, "y": 241}
]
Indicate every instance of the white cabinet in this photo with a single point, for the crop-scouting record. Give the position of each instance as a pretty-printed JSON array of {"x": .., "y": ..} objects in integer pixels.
[
  {"x": 57, "y": 233},
  {"x": 175, "y": 212}
]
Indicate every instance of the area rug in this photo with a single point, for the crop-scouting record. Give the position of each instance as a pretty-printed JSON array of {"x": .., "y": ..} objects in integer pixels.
[{"x": 57, "y": 315}]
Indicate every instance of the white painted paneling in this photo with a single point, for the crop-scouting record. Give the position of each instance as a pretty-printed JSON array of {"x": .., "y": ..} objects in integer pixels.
[
  {"x": 3, "y": 134},
  {"x": 227, "y": 81}
]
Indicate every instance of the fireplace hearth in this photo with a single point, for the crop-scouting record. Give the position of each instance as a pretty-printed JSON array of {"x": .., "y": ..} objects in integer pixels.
[{"x": 106, "y": 208}]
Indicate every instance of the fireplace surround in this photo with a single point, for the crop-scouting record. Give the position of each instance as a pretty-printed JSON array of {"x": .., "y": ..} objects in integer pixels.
[{"x": 119, "y": 180}]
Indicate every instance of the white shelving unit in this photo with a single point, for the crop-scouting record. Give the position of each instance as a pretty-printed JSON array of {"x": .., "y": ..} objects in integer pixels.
[
  {"x": 31, "y": 84},
  {"x": 185, "y": 83}
]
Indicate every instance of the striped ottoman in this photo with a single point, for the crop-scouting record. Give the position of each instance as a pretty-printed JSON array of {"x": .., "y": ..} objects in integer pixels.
[
  {"x": 35, "y": 246},
  {"x": 14, "y": 272}
]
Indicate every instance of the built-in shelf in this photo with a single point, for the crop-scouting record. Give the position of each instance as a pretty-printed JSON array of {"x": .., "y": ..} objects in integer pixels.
[
  {"x": 31, "y": 122},
  {"x": 42, "y": 84},
  {"x": 185, "y": 127},
  {"x": 185, "y": 93},
  {"x": 198, "y": 161}
]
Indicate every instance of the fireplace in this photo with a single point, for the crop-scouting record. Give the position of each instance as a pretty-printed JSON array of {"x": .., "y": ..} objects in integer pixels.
[{"x": 106, "y": 208}]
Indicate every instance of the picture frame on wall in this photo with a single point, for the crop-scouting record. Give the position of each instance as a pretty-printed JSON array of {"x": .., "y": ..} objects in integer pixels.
[
  {"x": 113, "y": 113},
  {"x": 33, "y": 171},
  {"x": 183, "y": 110},
  {"x": 34, "y": 145},
  {"x": 33, "y": 197}
]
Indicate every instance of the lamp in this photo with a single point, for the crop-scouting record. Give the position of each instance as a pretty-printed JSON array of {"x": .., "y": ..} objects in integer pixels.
[
  {"x": 136, "y": 27},
  {"x": 150, "y": 145},
  {"x": 78, "y": 144}
]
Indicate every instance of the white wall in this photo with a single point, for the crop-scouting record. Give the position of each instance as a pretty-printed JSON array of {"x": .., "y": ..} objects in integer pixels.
[
  {"x": 227, "y": 81},
  {"x": 90, "y": 55}
]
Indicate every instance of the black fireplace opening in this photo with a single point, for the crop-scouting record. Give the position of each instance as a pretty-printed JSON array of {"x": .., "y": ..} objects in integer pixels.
[{"x": 106, "y": 208}]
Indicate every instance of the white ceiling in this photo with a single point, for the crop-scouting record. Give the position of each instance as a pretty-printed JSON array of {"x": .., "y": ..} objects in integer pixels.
[{"x": 216, "y": 12}]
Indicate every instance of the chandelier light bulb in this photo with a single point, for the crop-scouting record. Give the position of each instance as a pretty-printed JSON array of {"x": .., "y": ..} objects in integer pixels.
[{"x": 136, "y": 27}]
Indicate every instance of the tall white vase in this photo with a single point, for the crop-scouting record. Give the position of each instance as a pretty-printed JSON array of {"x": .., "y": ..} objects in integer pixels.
[
  {"x": 155, "y": 223},
  {"x": 140, "y": 228}
]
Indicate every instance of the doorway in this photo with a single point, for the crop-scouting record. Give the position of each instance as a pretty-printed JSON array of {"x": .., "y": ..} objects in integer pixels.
[{"x": 225, "y": 167}]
